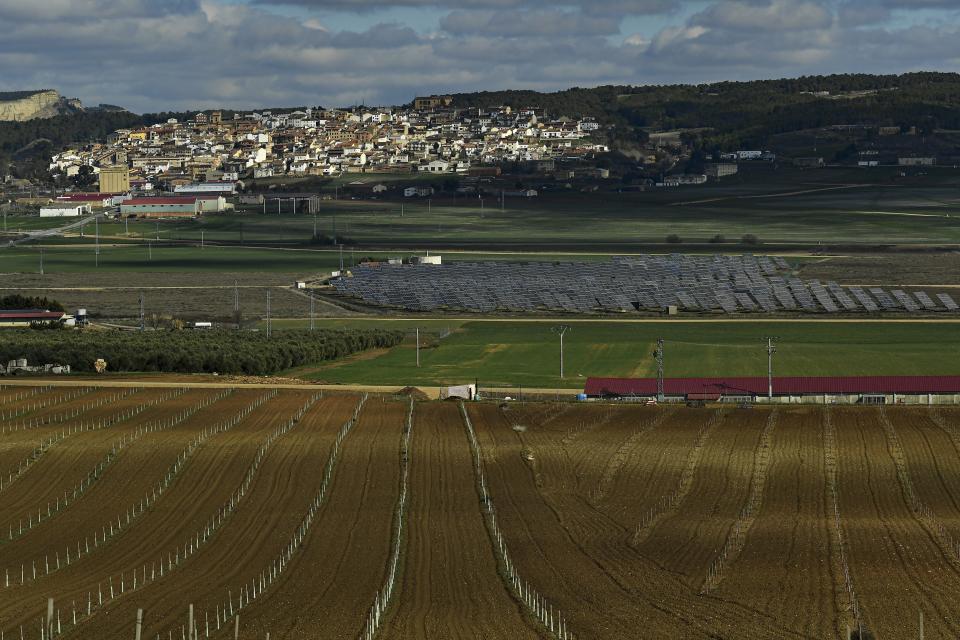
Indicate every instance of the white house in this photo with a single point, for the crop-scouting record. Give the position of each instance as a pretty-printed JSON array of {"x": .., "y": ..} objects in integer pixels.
[{"x": 419, "y": 192}]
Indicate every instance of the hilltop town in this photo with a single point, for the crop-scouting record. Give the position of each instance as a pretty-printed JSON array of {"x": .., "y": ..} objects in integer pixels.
[{"x": 430, "y": 137}]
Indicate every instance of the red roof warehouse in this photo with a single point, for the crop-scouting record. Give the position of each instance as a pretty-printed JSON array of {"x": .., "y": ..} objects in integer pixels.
[{"x": 795, "y": 386}]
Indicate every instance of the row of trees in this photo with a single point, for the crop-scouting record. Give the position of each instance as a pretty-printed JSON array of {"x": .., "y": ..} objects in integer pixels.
[
  {"x": 192, "y": 351},
  {"x": 17, "y": 301}
]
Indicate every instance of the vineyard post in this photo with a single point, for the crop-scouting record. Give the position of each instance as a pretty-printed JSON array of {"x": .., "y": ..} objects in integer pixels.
[
  {"x": 190, "y": 621},
  {"x": 236, "y": 627},
  {"x": 49, "y": 626},
  {"x": 921, "y": 624},
  {"x": 139, "y": 623}
]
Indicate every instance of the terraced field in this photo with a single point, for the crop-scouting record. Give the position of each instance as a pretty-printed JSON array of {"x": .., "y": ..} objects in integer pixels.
[{"x": 301, "y": 515}]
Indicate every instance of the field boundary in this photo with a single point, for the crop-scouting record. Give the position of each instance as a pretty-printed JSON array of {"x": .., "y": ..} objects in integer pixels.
[
  {"x": 831, "y": 463},
  {"x": 265, "y": 578},
  {"x": 194, "y": 543},
  {"x": 922, "y": 512},
  {"x": 382, "y": 601},
  {"x": 737, "y": 538},
  {"x": 536, "y": 605},
  {"x": 46, "y": 403},
  {"x": 117, "y": 447},
  {"x": 108, "y": 531},
  {"x": 97, "y": 425},
  {"x": 622, "y": 454},
  {"x": 671, "y": 502}
]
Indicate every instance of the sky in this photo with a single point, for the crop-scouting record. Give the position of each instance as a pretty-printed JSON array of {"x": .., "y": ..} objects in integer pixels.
[{"x": 163, "y": 55}]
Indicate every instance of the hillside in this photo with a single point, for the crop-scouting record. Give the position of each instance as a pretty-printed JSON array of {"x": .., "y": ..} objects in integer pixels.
[
  {"x": 749, "y": 113},
  {"x": 20, "y": 106}
]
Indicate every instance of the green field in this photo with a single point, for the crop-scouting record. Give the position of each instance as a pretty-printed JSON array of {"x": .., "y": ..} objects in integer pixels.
[
  {"x": 779, "y": 206},
  {"x": 527, "y": 353},
  {"x": 73, "y": 258}
]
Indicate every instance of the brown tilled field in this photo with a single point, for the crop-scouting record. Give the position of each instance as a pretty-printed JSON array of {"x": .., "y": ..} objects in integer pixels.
[{"x": 300, "y": 515}]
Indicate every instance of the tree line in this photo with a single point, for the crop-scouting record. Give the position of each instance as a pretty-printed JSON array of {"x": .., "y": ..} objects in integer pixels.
[
  {"x": 216, "y": 351},
  {"x": 20, "y": 302}
]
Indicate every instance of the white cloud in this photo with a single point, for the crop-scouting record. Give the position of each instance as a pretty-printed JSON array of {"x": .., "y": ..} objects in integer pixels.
[{"x": 152, "y": 55}]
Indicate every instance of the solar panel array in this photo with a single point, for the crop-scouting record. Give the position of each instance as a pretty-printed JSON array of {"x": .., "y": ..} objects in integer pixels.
[{"x": 718, "y": 284}]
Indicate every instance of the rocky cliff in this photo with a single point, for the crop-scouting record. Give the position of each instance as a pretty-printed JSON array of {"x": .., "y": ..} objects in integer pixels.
[{"x": 27, "y": 105}]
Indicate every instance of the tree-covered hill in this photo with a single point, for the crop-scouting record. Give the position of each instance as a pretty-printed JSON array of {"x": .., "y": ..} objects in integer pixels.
[{"x": 750, "y": 112}]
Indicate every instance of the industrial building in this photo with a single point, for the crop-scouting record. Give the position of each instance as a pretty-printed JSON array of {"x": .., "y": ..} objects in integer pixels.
[
  {"x": 216, "y": 188},
  {"x": 160, "y": 208},
  {"x": 785, "y": 390},
  {"x": 64, "y": 210},
  {"x": 93, "y": 200},
  {"x": 114, "y": 180},
  {"x": 24, "y": 318}
]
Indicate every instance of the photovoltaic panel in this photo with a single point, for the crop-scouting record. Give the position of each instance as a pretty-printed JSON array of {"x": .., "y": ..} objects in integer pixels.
[{"x": 947, "y": 301}]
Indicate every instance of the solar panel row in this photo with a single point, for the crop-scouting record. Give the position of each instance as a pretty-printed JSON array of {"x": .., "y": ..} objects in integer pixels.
[{"x": 725, "y": 284}]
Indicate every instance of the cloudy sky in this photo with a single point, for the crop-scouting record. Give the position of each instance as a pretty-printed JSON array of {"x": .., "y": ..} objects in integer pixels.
[{"x": 153, "y": 55}]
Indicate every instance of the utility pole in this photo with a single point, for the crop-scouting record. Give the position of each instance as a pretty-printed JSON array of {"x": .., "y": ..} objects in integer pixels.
[
  {"x": 158, "y": 232},
  {"x": 149, "y": 251},
  {"x": 269, "y": 322},
  {"x": 341, "y": 259},
  {"x": 96, "y": 226},
  {"x": 201, "y": 239},
  {"x": 236, "y": 303},
  {"x": 142, "y": 325},
  {"x": 418, "y": 347},
  {"x": 312, "y": 311},
  {"x": 771, "y": 349},
  {"x": 560, "y": 330},
  {"x": 658, "y": 354},
  {"x": 41, "y": 260}
]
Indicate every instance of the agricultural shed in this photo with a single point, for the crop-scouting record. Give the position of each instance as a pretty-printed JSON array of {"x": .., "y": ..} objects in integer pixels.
[
  {"x": 23, "y": 318},
  {"x": 170, "y": 207},
  {"x": 826, "y": 390}
]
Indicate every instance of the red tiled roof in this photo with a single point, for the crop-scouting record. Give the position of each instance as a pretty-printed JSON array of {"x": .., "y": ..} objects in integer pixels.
[
  {"x": 84, "y": 197},
  {"x": 31, "y": 315},
  {"x": 172, "y": 200},
  {"x": 781, "y": 386}
]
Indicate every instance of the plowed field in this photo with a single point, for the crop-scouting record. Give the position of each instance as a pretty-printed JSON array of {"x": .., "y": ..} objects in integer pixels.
[{"x": 278, "y": 512}]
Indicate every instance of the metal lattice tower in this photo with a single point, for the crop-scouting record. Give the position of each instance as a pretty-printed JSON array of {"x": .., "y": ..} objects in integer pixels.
[{"x": 659, "y": 356}]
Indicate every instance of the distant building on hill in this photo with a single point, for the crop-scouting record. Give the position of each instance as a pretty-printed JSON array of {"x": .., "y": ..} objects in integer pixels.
[{"x": 429, "y": 103}]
